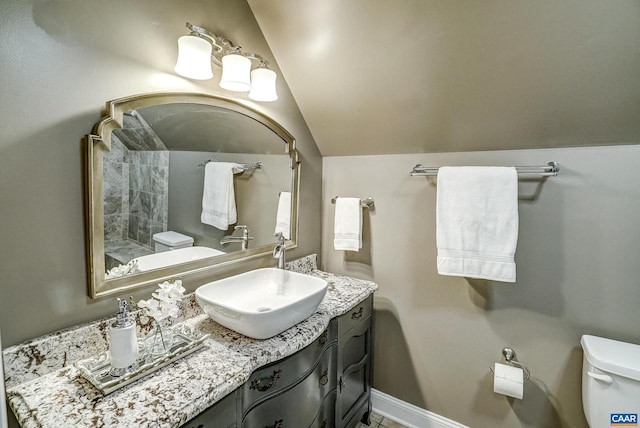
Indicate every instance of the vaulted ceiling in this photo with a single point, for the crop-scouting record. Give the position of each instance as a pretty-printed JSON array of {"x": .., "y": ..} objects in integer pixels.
[{"x": 412, "y": 76}]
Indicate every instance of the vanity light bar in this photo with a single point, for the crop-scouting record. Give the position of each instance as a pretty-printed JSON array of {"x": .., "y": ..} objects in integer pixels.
[{"x": 201, "y": 47}]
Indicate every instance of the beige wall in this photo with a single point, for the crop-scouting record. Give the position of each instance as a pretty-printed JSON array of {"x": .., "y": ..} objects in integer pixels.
[
  {"x": 60, "y": 61},
  {"x": 465, "y": 75},
  {"x": 437, "y": 336}
]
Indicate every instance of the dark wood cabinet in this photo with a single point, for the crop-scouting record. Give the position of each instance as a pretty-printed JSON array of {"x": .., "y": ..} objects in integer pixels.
[
  {"x": 223, "y": 414},
  {"x": 354, "y": 366},
  {"x": 327, "y": 384},
  {"x": 292, "y": 392}
]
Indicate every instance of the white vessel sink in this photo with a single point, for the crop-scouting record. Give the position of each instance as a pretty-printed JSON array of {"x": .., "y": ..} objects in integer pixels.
[
  {"x": 263, "y": 302},
  {"x": 174, "y": 257}
]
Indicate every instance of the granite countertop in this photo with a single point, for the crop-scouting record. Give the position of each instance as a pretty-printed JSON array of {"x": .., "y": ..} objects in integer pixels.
[{"x": 45, "y": 390}]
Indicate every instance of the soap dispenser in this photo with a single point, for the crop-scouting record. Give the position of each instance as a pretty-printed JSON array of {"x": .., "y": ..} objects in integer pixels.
[{"x": 123, "y": 343}]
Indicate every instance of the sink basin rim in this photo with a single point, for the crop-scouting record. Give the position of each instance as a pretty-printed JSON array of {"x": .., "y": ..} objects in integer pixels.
[
  {"x": 235, "y": 302},
  {"x": 175, "y": 257}
]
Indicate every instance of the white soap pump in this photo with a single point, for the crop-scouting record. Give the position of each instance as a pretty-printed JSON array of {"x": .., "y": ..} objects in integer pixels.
[{"x": 123, "y": 342}]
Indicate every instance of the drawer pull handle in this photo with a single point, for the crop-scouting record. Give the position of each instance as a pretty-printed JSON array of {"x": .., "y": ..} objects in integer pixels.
[
  {"x": 323, "y": 339},
  {"x": 342, "y": 384},
  {"x": 324, "y": 378},
  {"x": 257, "y": 383},
  {"x": 356, "y": 315},
  {"x": 324, "y": 424},
  {"x": 277, "y": 424}
]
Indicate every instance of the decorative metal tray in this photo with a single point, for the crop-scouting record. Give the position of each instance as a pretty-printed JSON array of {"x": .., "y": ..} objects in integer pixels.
[{"x": 97, "y": 369}]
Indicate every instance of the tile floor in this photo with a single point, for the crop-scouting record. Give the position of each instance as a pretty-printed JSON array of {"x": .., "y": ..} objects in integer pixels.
[{"x": 378, "y": 421}]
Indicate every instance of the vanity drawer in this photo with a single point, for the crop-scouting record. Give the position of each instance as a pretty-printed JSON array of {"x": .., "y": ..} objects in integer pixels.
[
  {"x": 272, "y": 378},
  {"x": 327, "y": 414},
  {"x": 300, "y": 405},
  {"x": 220, "y": 415},
  {"x": 355, "y": 316}
]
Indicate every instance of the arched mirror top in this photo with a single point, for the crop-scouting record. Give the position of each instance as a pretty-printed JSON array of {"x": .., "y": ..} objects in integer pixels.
[{"x": 145, "y": 176}]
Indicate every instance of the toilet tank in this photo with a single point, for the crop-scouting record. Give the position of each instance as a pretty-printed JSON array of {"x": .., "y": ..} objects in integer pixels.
[
  {"x": 165, "y": 241},
  {"x": 610, "y": 382}
]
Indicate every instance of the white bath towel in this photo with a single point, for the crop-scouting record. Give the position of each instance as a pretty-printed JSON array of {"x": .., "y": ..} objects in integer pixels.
[
  {"x": 218, "y": 196},
  {"x": 347, "y": 227},
  {"x": 283, "y": 215},
  {"x": 477, "y": 222}
]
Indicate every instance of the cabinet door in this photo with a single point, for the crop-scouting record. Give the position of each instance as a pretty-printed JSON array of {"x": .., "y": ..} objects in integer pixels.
[{"x": 354, "y": 375}]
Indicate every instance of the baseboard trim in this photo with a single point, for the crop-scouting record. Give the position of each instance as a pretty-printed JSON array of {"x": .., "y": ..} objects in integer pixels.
[{"x": 408, "y": 414}]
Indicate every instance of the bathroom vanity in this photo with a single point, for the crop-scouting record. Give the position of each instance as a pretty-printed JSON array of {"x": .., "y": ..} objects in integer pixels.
[
  {"x": 315, "y": 374},
  {"x": 327, "y": 381}
]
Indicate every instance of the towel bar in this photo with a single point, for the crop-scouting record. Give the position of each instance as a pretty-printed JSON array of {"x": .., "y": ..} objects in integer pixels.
[
  {"x": 551, "y": 169},
  {"x": 244, "y": 166},
  {"x": 365, "y": 203}
]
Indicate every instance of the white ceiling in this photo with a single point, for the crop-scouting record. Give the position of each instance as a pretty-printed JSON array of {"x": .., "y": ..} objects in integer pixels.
[{"x": 412, "y": 76}]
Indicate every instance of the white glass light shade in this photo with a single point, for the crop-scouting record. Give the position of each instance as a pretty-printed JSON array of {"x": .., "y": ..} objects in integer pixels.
[
  {"x": 236, "y": 73},
  {"x": 194, "y": 58},
  {"x": 263, "y": 85}
]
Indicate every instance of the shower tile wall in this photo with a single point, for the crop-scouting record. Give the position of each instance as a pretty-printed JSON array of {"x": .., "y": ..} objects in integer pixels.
[
  {"x": 148, "y": 194},
  {"x": 136, "y": 191},
  {"x": 116, "y": 192}
]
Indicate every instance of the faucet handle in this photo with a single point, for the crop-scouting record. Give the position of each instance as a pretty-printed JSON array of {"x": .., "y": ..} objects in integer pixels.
[
  {"x": 280, "y": 238},
  {"x": 245, "y": 231}
]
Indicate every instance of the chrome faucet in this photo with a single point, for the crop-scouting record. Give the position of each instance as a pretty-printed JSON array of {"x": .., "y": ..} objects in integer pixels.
[
  {"x": 245, "y": 238},
  {"x": 279, "y": 250}
]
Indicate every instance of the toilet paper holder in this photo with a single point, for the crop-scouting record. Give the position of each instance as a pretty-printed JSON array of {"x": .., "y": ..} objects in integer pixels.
[{"x": 510, "y": 357}]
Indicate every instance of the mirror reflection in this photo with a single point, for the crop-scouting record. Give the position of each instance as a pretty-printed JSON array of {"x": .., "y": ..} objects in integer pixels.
[{"x": 187, "y": 181}]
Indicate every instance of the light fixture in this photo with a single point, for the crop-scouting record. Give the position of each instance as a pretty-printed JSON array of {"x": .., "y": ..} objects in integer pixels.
[
  {"x": 263, "y": 84},
  {"x": 236, "y": 71},
  {"x": 194, "y": 58},
  {"x": 201, "y": 47}
]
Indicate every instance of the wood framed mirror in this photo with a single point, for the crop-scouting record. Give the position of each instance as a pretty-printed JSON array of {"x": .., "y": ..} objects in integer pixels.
[{"x": 144, "y": 175}]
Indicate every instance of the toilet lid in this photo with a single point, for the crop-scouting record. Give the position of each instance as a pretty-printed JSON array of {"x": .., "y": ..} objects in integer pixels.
[
  {"x": 612, "y": 356},
  {"x": 172, "y": 239}
]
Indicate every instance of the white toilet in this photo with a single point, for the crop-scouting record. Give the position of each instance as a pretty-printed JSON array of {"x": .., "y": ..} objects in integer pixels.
[
  {"x": 610, "y": 382},
  {"x": 166, "y": 241}
]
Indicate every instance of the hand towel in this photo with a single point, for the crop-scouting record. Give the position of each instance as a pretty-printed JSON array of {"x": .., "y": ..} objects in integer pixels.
[
  {"x": 347, "y": 227},
  {"x": 283, "y": 215},
  {"x": 218, "y": 196},
  {"x": 477, "y": 222}
]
